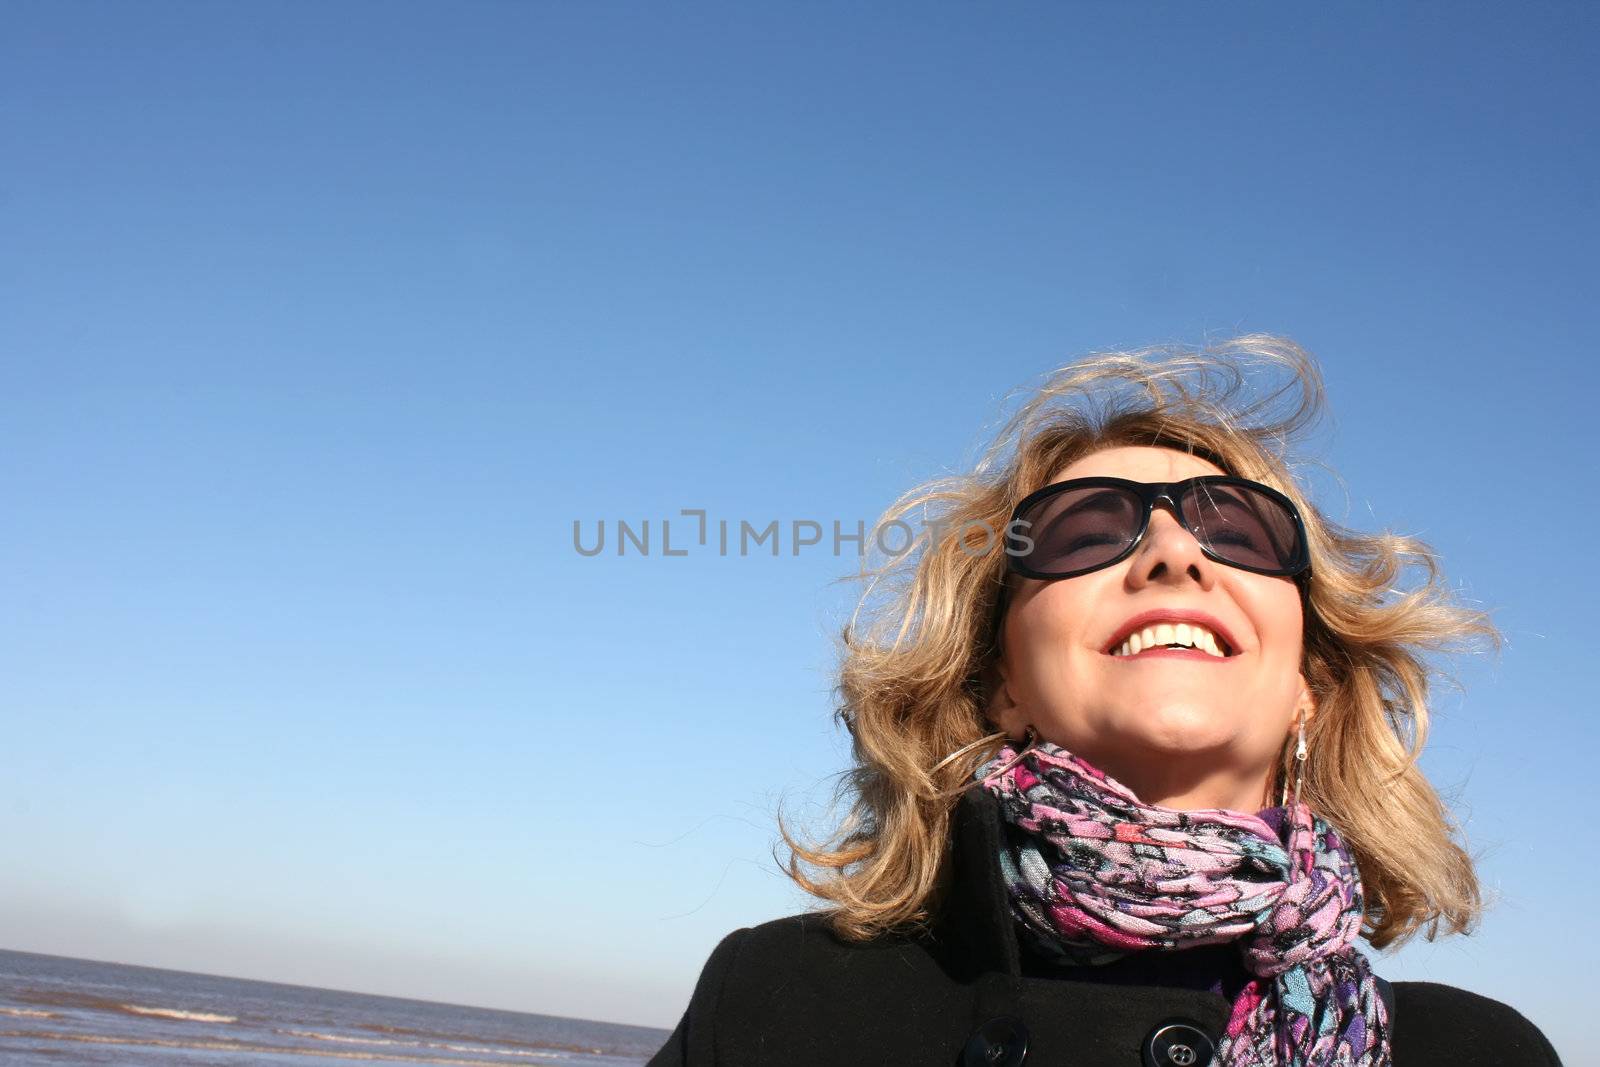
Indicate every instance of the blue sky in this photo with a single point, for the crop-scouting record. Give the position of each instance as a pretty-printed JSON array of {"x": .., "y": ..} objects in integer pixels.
[{"x": 319, "y": 327}]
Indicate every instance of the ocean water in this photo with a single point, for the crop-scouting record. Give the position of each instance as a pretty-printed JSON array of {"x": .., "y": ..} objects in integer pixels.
[{"x": 58, "y": 1011}]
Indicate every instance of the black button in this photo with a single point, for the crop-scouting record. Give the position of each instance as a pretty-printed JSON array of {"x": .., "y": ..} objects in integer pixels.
[
  {"x": 1001, "y": 1042},
  {"x": 1179, "y": 1043}
]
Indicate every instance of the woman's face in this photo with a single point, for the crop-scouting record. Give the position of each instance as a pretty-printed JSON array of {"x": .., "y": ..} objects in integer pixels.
[{"x": 1185, "y": 731}]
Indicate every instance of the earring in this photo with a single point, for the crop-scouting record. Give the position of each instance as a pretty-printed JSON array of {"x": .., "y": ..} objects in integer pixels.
[
  {"x": 1299, "y": 764},
  {"x": 1032, "y": 739}
]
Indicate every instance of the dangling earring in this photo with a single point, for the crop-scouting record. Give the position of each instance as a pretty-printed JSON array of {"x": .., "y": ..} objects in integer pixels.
[
  {"x": 1032, "y": 739},
  {"x": 1293, "y": 804},
  {"x": 1299, "y": 764}
]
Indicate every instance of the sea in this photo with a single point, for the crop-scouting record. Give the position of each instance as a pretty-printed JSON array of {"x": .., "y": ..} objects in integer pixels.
[{"x": 57, "y": 1011}]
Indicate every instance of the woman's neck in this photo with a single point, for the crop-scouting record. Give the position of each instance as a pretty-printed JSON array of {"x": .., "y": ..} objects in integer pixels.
[{"x": 1188, "y": 781}]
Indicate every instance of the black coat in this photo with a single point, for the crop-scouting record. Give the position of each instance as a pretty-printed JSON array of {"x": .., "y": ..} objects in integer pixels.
[{"x": 965, "y": 993}]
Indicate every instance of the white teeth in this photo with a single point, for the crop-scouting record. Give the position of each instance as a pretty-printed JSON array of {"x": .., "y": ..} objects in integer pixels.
[{"x": 1183, "y": 633}]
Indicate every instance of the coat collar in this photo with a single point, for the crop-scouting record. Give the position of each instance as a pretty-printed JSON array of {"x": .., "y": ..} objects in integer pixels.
[{"x": 974, "y": 920}]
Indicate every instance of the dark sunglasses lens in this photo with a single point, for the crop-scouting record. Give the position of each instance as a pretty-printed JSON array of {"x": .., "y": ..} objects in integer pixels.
[
  {"x": 1079, "y": 529},
  {"x": 1243, "y": 526}
]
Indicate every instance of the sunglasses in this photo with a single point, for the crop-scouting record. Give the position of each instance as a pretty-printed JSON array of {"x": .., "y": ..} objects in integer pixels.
[{"x": 1085, "y": 524}]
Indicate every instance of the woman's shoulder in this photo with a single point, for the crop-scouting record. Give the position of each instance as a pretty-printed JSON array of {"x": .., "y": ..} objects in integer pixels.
[
  {"x": 794, "y": 942},
  {"x": 779, "y": 981},
  {"x": 1432, "y": 1019},
  {"x": 801, "y": 942}
]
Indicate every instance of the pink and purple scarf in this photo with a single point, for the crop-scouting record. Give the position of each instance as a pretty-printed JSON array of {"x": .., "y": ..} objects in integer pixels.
[{"x": 1097, "y": 874}]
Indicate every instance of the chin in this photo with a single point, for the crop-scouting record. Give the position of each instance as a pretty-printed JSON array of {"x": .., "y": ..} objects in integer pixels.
[{"x": 1177, "y": 728}]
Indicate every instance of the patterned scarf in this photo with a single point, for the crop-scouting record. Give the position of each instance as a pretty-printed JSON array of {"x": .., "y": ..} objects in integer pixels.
[{"x": 1095, "y": 874}]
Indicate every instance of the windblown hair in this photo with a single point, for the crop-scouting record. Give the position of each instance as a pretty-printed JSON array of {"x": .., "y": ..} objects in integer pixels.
[{"x": 916, "y": 662}]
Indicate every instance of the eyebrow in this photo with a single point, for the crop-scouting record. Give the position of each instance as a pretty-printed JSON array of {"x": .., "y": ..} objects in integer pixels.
[
  {"x": 1226, "y": 499},
  {"x": 1101, "y": 500}
]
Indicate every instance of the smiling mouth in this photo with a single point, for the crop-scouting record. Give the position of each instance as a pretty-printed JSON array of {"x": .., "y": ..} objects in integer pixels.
[
  {"x": 1159, "y": 640},
  {"x": 1170, "y": 652}
]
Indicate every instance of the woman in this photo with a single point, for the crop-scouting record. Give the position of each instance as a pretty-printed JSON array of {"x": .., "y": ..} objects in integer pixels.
[{"x": 1136, "y": 737}]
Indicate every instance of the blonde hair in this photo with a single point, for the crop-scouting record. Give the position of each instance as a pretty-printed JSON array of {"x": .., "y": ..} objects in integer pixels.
[{"x": 913, "y": 675}]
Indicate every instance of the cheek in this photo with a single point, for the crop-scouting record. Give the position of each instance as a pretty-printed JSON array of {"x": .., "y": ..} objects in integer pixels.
[
  {"x": 1280, "y": 623},
  {"x": 1059, "y": 615},
  {"x": 1054, "y": 634}
]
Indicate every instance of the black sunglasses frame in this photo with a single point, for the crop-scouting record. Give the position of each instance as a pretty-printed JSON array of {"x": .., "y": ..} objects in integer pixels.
[{"x": 1149, "y": 495}]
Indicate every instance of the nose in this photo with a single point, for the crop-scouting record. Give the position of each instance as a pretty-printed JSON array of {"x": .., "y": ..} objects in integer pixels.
[{"x": 1169, "y": 554}]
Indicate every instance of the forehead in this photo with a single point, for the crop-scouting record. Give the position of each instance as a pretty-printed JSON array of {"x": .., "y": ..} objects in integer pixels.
[{"x": 1138, "y": 463}]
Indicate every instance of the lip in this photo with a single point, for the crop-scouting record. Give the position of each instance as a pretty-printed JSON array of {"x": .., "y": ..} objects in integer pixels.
[{"x": 1172, "y": 615}]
